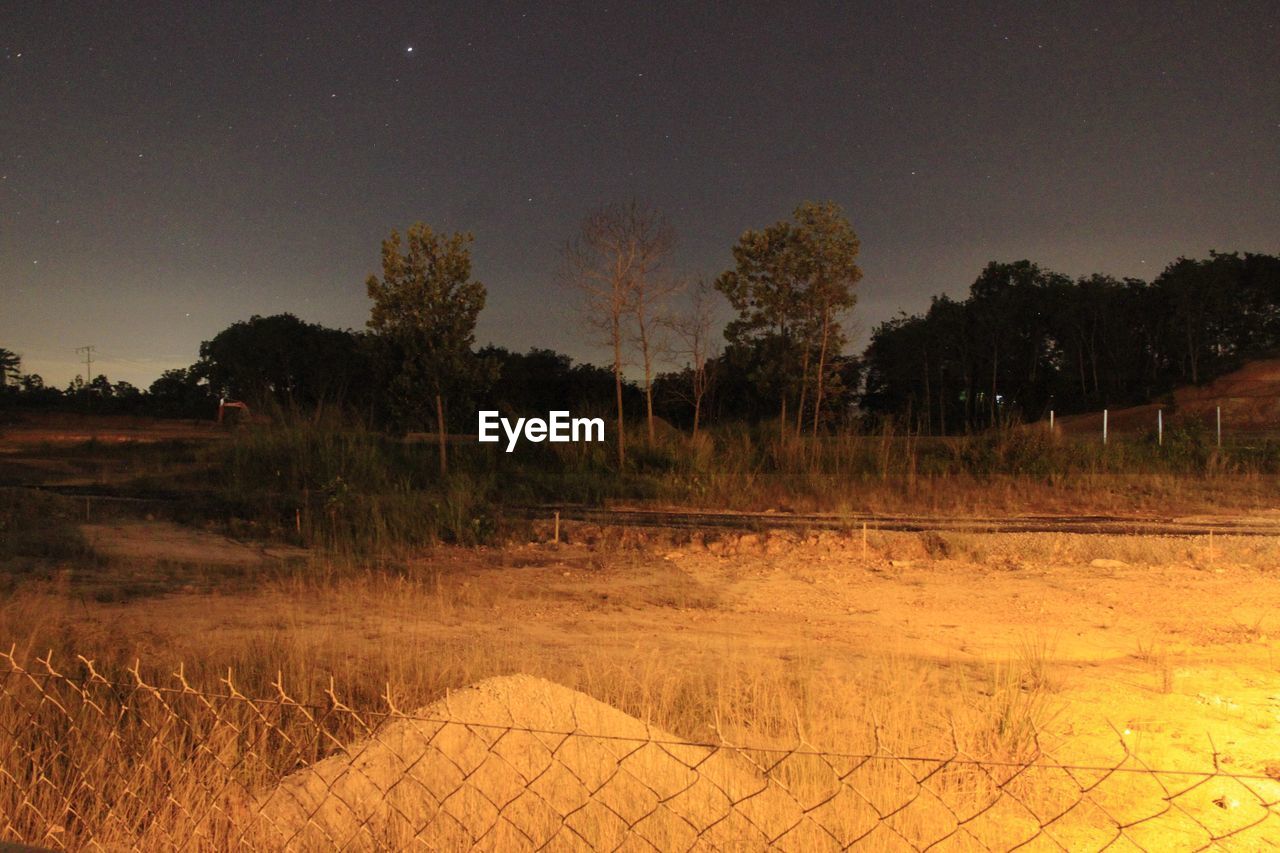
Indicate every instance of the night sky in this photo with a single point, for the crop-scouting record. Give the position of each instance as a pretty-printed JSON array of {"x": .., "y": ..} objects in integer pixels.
[{"x": 168, "y": 168}]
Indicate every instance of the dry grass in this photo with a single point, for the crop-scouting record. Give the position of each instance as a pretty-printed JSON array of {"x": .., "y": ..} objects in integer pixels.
[
  {"x": 598, "y": 618},
  {"x": 296, "y": 640}
]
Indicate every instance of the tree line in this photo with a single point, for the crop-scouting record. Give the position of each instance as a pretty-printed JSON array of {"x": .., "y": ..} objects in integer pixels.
[
  {"x": 1024, "y": 340},
  {"x": 1027, "y": 340}
]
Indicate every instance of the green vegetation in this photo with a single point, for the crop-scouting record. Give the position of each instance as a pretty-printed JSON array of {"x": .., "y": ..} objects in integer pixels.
[{"x": 355, "y": 490}]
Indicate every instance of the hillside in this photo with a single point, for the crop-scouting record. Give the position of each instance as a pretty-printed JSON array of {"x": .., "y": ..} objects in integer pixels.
[{"x": 1249, "y": 398}]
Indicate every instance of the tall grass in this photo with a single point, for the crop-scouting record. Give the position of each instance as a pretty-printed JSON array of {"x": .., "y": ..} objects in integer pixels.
[
  {"x": 353, "y": 490},
  {"x": 342, "y": 489},
  {"x": 168, "y": 754}
]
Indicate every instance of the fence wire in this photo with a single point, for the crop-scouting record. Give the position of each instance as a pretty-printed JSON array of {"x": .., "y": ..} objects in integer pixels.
[{"x": 92, "y": 763}]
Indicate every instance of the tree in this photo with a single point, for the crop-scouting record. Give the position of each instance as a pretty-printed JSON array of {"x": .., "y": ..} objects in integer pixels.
[
  {"x": 1028, "y": 339},
  {"x": 693, "y": 329},
  {"x": 181, "y": 392},
  {"x": 284, "y": 360},
  {"x": 425, "y": 307},
  {"x": 828, "y": 259},
  {"x": 10, "y": 366},
  {"x": 790, "y": 285},
  {"x": 612, "y": 262},
  {"x": 540, "y": 380}
]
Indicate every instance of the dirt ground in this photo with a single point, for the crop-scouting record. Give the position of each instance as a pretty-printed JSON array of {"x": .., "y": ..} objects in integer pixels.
[
  {"x": 1248, "y": 401},
  {"x": 57, "y": 428},
  {"x": 1176, "y": 649},
  {"x": 1166, "y": 648}
]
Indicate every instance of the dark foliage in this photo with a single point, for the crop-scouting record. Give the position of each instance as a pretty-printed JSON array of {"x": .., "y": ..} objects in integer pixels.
[{"x": 1027, "y": 340}]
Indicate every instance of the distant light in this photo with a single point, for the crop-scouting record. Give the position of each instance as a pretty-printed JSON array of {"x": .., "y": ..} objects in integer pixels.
[{"x": 409, "y": 49}]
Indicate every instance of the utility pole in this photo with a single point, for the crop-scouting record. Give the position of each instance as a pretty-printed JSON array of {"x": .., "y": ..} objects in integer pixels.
[{"x": 88, "y": 362}]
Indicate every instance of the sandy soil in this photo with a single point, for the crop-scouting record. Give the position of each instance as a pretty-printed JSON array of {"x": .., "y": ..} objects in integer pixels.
[
  {"x": 1249, "y": 399},
  {"x": 145, "y": 541},
  {"x": 1167, "y": 648},
  {"x": 1175, "y": 651}
]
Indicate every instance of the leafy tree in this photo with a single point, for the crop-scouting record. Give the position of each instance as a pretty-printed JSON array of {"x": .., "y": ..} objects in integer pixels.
[
  {"x": 828, "y": 250},
  {"x": 10, "y": 366},
  {"x": 282, "y": 360},
  {"x": 100, "y": 386},
  {"x": 1028, "y": 339},
  {"x": 791, "y": 284},
  {"x": 1008, "y": 309},
  {"x": 425, "y": 307},
  {"x": 181, "y": 392},
  {"x": 540, "y": 380}
]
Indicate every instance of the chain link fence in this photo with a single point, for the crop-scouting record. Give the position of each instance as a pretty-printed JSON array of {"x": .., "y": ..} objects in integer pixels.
[{"x": 517, "y": 763}]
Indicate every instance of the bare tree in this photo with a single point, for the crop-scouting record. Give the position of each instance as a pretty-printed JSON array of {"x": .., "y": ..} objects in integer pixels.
[
  {"x": 693, "y": 330},
  {"x": 650, "y": 295},
  {"x": 614, "y": 262}
]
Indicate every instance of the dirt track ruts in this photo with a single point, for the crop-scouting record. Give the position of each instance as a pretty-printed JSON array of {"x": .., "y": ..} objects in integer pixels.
[
  {"x": 1091, "y": 524},
  {"x": 703, "y": 519}
]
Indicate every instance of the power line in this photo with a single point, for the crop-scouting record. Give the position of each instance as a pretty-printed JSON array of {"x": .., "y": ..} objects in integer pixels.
[{"x": 88, "y": 361}]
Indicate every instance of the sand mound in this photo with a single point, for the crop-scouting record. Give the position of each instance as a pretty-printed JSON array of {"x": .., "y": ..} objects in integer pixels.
[{"x": 456, "y": 777}]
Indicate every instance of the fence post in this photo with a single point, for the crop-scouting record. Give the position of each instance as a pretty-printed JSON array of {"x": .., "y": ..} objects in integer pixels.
[
  {"x": 1051, "y": 420},
  {"x": 1219, "y": 426},
  {"x": 1160, "y": 426},
  {"x": 1104, "y": 426}
]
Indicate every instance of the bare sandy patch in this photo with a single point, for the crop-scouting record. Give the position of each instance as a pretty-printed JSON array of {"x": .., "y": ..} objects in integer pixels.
[{"x": 165, "y": 541}]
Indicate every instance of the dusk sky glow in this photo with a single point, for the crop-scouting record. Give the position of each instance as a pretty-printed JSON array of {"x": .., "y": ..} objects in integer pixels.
[{"x": 169, "y": 168}]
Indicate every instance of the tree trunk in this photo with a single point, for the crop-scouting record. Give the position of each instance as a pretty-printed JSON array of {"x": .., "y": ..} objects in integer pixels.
[
  {"x": 444, "y": 455},
  {"x": 928, "y": 397},
  {"x": 1191, "y": 354},
  {"x": 617, "y": 385},
  {"x": 648, "y": 386},
  {"x": 942, "y": 401},
  {"x": 995, "y": 362},
  {"x": 822, "y": 369},
  {"x": 642, "y": 326},
  {"x": 804, "y": 385},
  {"x": 1084, "y": 383},
  {"x": 699, "y": 391}
]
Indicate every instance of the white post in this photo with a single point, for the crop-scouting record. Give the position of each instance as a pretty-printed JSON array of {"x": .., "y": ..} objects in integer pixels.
[
  {"x": 1051, "y": 420},
  {"x": 1219, "y": 426},
  {"x": 1160, "y": 426},
  {"x": 1104, "y": 426}
]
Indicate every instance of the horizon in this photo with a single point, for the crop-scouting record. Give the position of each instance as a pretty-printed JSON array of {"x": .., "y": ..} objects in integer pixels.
[
  {"x": 857, "y": 343},
  {"x": 171, "y": 172}
]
